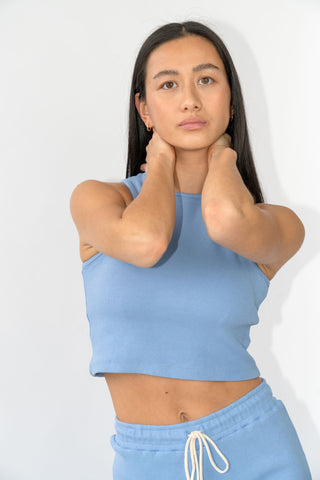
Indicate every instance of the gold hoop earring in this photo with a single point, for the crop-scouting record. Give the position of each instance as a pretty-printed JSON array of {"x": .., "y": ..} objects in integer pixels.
[{"x": 149, "y": 129}]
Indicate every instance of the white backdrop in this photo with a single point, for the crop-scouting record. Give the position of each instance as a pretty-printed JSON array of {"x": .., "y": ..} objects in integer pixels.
[{"x": 66, "y": 67}]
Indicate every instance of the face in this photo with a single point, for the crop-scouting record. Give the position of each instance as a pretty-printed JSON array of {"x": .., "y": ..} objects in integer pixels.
[{"x": 173, "y": 97}]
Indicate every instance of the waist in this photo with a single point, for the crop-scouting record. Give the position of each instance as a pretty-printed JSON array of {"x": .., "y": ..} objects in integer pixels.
[{"x": 153, "y": 400}]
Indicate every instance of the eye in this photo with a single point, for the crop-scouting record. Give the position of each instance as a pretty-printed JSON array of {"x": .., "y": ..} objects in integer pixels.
[
  {"x": 207, "y": 78},
  {"x": 165, "y": 83}
]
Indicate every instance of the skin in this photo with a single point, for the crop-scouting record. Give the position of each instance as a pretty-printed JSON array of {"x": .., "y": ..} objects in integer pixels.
[{"x": 173, "y": 98}]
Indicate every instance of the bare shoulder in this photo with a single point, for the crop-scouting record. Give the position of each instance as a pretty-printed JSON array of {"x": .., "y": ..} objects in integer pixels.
[
  {"x": 291, "y": 234},
  {"x": 89, "y": 186},
  {"x": 123, "y": 190},
  {"x": 80, "y": 195}
]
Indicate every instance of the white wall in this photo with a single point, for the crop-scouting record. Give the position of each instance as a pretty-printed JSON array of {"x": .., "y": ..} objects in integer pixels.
[{"x": 66, "y": 67}]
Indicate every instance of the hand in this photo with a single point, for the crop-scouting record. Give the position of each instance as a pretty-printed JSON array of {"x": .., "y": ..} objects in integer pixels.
[
  {"x": 158, "y": 148},
  {"x": 224, "y": 141}
]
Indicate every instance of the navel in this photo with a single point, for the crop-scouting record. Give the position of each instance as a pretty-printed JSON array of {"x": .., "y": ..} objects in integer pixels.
[{"x": 183, "y": 417}]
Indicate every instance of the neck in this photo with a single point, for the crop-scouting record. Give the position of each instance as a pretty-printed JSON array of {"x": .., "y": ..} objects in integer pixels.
[{"x": 191, "y": 169}]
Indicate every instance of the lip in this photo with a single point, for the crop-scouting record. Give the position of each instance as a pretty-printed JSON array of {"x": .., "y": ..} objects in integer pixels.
[
  {"x": 192, "y": 126},
  {"x": 190, "y": 120}
]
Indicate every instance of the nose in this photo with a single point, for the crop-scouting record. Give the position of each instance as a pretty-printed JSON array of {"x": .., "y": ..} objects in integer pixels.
[{"x": 190, "y": 98}]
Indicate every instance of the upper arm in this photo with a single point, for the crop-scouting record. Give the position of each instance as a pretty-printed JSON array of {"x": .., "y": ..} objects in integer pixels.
[
  {"x": 96, "y": 209},
  {"x": 266, "y": 234}
]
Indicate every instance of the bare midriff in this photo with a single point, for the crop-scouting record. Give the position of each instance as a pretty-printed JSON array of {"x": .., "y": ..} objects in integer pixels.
[{"x": 152, "y": 400}]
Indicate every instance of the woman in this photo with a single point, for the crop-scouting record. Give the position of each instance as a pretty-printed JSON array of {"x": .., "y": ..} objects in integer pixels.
[{"x": 177, "y": 258}]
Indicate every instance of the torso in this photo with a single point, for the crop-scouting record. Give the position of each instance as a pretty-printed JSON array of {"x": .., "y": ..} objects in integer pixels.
[{"x": 152, "y": 400}]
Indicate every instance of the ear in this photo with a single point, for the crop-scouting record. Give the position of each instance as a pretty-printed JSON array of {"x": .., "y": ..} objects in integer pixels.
[{"x": 142, "y": 108}]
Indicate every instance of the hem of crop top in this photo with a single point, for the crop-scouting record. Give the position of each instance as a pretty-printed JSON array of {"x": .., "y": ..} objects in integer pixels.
[
  {"x": 97, "y": 255},
  {"x": 182, "y": 373}
]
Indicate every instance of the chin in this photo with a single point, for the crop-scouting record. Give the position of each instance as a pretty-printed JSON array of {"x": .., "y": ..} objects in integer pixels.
[{"x": 193, "y": 144}]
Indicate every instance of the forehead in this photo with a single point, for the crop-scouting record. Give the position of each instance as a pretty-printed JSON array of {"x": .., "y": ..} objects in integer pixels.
[{"x": 182, "y": 54}]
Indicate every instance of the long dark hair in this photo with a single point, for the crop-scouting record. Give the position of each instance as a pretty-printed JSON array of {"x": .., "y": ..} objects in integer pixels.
[{"x": 139, "y": 137}]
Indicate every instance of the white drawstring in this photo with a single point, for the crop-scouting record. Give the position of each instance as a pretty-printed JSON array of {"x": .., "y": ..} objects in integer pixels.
[{"x": 192, "y": 440}]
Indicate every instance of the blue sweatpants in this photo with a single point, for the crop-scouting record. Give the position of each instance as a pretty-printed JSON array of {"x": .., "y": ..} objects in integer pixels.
[{"x": 253, "y": 438}]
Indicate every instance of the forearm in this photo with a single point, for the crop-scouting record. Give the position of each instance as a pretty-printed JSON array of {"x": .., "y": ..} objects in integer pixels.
[
  {"x": 224, "y": 189},
  {"x": 151, "y": 215}
]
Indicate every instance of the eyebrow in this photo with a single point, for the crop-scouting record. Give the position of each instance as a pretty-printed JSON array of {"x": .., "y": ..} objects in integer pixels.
[{"x": 202, "y": 66}]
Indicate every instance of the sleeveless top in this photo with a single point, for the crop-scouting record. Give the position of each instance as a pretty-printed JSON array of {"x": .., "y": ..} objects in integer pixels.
[{"x": 187, "y": 317}]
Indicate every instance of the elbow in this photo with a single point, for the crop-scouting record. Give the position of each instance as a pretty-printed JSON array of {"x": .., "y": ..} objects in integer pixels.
[
  {"x": 218, "y": 218},
  {"x": 152, "y": 253},
  {"x": 155, "y": 253}
]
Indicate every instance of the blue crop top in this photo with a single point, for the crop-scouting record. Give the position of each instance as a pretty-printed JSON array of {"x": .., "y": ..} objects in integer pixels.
[{"x": 188, "y": 316}]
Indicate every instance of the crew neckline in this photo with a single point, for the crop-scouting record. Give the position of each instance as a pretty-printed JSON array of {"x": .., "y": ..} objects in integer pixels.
[
  {"x": 188, "y": 194},
  {"x": 178, "y": 193}
]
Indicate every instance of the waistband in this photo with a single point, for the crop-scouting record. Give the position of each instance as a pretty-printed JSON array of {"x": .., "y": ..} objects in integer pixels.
[{"x": 254, "y": 404}]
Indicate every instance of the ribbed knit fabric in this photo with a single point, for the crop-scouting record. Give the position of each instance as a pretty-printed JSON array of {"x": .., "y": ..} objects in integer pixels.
[{"x": 188, "y": 316}]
